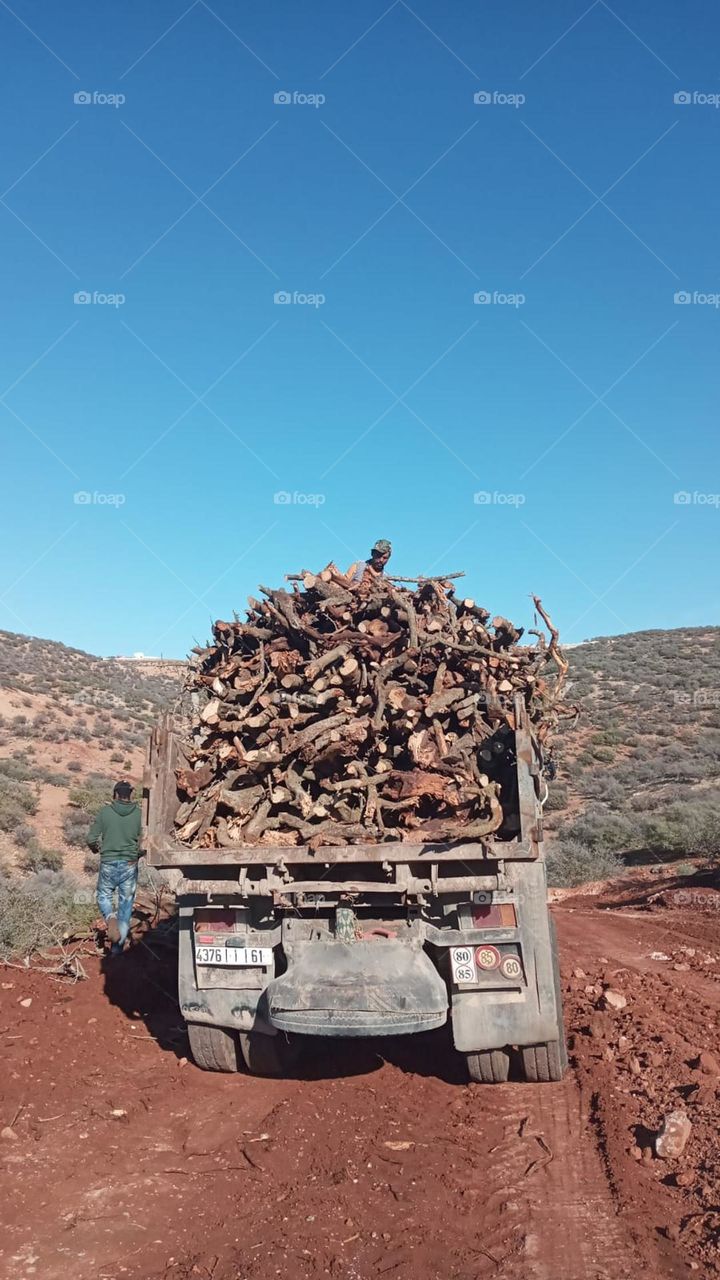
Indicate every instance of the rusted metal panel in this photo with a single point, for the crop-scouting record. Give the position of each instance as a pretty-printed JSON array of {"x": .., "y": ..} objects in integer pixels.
[
  {"x": 528, "y": 769},
  {"x": 163, "y": 852}
]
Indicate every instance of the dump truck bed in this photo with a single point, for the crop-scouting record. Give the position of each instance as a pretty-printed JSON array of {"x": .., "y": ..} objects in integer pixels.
[{"x": 160, "y": 803}]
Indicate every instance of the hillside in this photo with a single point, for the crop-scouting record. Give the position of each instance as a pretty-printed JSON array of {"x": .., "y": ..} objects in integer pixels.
[
  {"x": 640, "y": 769},
  {"x": 69, "y": 724}
]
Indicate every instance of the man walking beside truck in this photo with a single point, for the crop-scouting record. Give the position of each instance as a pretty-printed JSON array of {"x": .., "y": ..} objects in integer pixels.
[{"x": 116, "y": 833}]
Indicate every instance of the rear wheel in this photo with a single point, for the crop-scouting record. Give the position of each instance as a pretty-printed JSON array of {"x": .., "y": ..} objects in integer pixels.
[
  {"x": 489, "y": 1067},
  {"x": 213, "y": 1048},
  {"x": 544, "y": 1062},
  {"x": 548, "y": 1061},
  {"x": 267, "y": 1055}
]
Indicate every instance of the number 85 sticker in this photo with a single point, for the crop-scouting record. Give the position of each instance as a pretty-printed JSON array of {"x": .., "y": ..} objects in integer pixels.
[{"x": 463, "y": 965}]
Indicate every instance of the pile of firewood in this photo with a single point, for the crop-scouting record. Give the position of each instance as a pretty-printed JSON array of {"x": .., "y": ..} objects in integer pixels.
[{"x": 344, "y": 712}]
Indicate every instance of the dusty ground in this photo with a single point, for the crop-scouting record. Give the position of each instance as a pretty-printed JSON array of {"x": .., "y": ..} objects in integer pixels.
[{"x": 377, "y": 1160}]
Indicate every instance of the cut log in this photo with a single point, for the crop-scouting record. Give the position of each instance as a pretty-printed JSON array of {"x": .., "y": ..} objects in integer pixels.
[{"x": 342, "y": 712}]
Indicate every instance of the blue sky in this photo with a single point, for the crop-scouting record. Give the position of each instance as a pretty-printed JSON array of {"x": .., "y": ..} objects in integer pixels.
[{"x": 537, "y": 438}]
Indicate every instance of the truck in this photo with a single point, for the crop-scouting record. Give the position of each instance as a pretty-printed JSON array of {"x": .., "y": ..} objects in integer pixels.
[{"x": 278, "y": 944}]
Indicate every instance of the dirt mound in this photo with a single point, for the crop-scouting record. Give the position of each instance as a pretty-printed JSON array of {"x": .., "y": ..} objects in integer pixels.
[{"x": 653, "y": 1055}]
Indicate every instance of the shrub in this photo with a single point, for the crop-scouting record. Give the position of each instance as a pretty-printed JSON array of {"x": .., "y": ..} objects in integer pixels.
[
  {"x": 55, "y": 779},
  {"x": 74, "y": 766},
  {"x": 39, "y": 909},
  {"x": 602, "y": 829},
  {"x": 16, "y": 802},
  {"x": 75, "y": 825},
  {"x": 91, "y": 862},
  {"x": 18, "y": 768},
  {"x": 557, "y": 797},
  {"x": 684, "y": 828},
  {"x": 35, "y": 858},
  {"x": 570, "y": 863},
  {"x": 89, "y": 798}
]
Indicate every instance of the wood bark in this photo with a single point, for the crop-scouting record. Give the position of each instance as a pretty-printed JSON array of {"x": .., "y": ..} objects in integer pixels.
[{"x": 341, "y": 713}]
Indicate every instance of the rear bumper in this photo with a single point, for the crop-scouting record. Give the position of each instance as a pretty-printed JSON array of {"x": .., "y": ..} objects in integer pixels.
[{"x": 357, "y": 989}]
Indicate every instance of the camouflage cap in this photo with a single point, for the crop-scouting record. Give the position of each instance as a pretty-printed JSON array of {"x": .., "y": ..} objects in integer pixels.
[{"x": 383, "y": 546}]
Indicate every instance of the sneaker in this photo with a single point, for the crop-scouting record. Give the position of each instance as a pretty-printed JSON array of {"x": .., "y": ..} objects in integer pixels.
[{"x": 113, "y": 929}]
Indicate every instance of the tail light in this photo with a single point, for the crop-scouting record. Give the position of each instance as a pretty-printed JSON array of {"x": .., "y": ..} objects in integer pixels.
[
  {"x": 215, "y": 921},
  {"x": 494, "y": 915}
]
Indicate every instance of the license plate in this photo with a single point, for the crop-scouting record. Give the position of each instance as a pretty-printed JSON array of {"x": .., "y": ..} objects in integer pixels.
[{"x": 258, "y": 956}]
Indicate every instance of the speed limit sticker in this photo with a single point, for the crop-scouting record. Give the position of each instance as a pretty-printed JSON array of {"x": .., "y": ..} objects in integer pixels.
[
  {"x": 511, "y": 967},
  {"x": 463, "y": 965}
]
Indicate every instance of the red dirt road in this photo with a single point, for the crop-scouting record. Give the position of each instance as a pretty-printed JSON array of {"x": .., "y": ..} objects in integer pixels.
[{"x": 378, "y": 1160}]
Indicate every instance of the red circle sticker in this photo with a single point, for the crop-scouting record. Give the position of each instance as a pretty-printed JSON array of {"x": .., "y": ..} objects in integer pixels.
[{"x": 487, "y": 957}]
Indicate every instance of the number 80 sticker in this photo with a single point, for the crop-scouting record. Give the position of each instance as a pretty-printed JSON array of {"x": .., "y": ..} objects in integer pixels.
[
  {"x": 511, "y": 967},
  {"x": 463, "y": 965}
]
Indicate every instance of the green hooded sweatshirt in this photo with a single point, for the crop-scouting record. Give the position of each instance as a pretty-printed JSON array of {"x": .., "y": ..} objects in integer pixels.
[{"x": 117, "y": 830}]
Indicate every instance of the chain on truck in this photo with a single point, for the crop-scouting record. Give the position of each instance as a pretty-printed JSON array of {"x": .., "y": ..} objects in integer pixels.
[{"x": 279, "y": 943}]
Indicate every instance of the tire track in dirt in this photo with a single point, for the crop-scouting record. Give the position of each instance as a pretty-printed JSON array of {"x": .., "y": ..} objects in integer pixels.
[{"x": 378, "y": 1161}]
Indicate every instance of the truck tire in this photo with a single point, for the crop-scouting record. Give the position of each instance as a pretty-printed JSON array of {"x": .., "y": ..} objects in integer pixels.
[
  {"x": 267, "y": 1055},
  {"x": 545, "y": 1062},
  {"x": 489, "y": 1067},
  {"x": 213, "y": 1048}
]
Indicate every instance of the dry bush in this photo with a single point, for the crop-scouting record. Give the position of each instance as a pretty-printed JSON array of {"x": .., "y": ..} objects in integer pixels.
[
  {"x": 570, "y": 863},
  {"x": 39, "y": 910}
]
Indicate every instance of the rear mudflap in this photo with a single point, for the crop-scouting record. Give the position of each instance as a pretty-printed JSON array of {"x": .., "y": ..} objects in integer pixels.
[{"x": 357, "y": 989}]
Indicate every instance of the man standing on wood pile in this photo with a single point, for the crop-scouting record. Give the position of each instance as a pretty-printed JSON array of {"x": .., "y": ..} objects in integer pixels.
[
  {"x": 116, "y": 832},
  {"x": 379, "y": 557}
]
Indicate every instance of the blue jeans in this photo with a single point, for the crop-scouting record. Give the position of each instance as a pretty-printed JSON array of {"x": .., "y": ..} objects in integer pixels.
[{"x": 122, "y": 875}]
